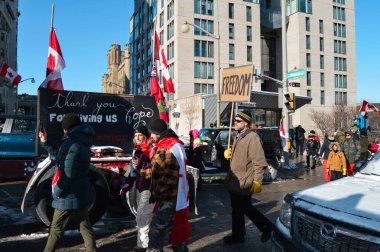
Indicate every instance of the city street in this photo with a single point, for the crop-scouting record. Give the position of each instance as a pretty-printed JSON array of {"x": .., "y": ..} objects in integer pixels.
[{"x": 118, "y": 233}]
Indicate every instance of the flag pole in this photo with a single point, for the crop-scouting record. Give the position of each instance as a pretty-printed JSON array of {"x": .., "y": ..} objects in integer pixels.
[{"x": 52, "y": 16}]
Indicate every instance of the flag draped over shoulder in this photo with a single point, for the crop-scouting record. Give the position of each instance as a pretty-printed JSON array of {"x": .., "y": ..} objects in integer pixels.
[
  {"x": 156, "y": 91},
  {"x": 160, "y": 55},
  {"x": 367, "y": 107},
  {"x": 10, "y": 74},
  {"x": 55, "y": 63}
]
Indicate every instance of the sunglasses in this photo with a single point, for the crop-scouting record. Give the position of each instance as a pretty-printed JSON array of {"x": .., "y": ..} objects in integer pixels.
[{"x": 238, "y": 121}]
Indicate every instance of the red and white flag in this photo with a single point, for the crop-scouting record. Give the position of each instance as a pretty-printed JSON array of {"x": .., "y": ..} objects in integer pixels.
[
  {"x": 367, "y": 107},
  {"x": 282, "y": 134},
  {"x": 55, "y": 63},
  {"x": 160, "y": 55},
  {"x": 156, "y": 91},
  {"x": 10, "y": 74}
]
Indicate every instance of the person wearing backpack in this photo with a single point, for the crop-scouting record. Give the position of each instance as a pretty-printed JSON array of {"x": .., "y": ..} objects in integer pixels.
[
  {"x": 312, "y": 147},
  {"x": 351, "y": 149},
  {"x": 299, "y": 137}
]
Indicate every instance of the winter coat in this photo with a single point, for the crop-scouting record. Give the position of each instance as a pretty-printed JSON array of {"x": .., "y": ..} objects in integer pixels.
[
  {"x": 247, "y": 163},
  {"x": 144, "y": 170},
  {"x": 362, "y": 124},
  {"x": 299, "y": 134},
  {"x": 336, "y": 160},
  {"x": 312, "y": 150},
  {"x": 165, "y": 169},
  {"x": 364, "y": 143},
  {"x": 325, "y": 149},
  {"x": 73, "y": 189},
  {"x": 340, "y": 137},
  {"x": 351, "y": 149}
]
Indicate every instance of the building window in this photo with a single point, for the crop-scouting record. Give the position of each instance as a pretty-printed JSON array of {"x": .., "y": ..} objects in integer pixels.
[
  {"x": 308, "y": 78},
  {"x": 340, "y": 1},
  {"x": 322, "y": 79},
  {"x": 321, "y": 62},
  {"x": 321, "y": 26},
  {"x": 248, "y": 14},
  {"x": 162, "y": 3},
  {"x": 203, "y": 88},
  {"x": 339, "y": 46},
  {"x": 340, "y": 81},
  {"x": 231, "y": 52},
  {"x": 308, "y": 60},
  {"x": 170, "y": 9},
  {"x": 321, "y": 45},
  {"x": 249, "y": 53},
  {"x": 249, "y": 33},
  {"x": 170, "y": 50},
  {"x": 308, "y": 93},
  {"x": 339, "y": 13},
  {"x": 230, "y": 10},
  {"x": 231, "y": 31},
  {"x": 307, "y": 41},
  {"x": 203, "y": 70},
  {"x": 161, "y": 19},
  {"x": 307, "y": 24},
  {"x": 339, "y": 30},
  {"x": 162, "y": 37},
  {"x": 205, "y": 7},
  {"x": 207, "y": 25},
  {"x": 340, "y": 98},
  {"x": 322, "y": 97},
  {"x": 171, "y": 70},
  {"x": 340, "y": 64},
  {"x": 170, "y": 33},
  {"x": 203, "y": 48}
]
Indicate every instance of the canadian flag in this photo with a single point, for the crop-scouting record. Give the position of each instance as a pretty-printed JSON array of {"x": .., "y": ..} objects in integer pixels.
[
  {"x": 367, "y": 107},
  {"x": 10, "y": 74},
  {"x": 55, "y": 63},
  {"x": 160, "y": 55},
  {"x": 156, "y": 91},
  {"x": 282, "y": 134}
]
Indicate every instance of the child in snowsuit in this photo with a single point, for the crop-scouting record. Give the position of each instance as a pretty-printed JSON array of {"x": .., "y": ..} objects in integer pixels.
[{"x": 336, "y": 163}]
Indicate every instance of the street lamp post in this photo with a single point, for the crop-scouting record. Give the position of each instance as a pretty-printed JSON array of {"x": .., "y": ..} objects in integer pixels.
[{"x": 186, "y": 28}]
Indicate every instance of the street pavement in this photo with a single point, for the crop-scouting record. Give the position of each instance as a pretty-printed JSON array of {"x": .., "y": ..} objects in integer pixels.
[{"x": 213, "y": 222}]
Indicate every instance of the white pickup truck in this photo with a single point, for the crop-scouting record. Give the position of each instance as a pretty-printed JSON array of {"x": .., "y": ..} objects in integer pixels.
[{"x": 343, "y": 215}]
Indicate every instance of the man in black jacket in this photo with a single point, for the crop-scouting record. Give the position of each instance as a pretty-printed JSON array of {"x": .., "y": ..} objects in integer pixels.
[
  {"x": 71, "y": 188},
  {"x": 299, "y": 137}
]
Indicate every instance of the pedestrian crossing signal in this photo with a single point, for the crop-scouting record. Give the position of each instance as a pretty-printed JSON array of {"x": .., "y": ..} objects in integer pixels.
[{"x": 290, "y": 101}]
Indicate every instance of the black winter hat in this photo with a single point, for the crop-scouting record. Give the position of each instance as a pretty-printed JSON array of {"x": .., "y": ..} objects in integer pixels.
[
  {"x": 157, "y": 126},
  {"x": 70, "y": 121},
  {"x": 143, "y": 130}
]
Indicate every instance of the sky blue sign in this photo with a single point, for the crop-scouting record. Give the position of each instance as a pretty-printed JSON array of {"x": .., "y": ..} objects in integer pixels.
[{"x": 296, "y": 74}]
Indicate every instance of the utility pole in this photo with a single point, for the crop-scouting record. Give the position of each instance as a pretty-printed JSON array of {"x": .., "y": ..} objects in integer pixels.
[{"x": 285, "y": 88}]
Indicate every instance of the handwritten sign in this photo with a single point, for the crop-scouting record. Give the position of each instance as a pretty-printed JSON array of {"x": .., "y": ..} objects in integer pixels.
[
  {"x": 236, "y": 84},
  {"x": 113, "y": 117}
]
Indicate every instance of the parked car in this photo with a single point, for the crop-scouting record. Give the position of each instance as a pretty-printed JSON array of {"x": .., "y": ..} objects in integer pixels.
[
  {"x": 343, "y": 215},
  {"x": 17, "y": 146},
  {"x": 215, "y": 141}
]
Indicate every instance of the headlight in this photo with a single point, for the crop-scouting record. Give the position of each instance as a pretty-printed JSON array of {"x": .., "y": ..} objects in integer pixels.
[{"x": 286, "y": 211}]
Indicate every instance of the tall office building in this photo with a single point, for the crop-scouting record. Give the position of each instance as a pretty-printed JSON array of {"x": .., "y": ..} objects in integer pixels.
[
  {"x": 8, "y": 53},
  {"x": 320, "y": 36}
]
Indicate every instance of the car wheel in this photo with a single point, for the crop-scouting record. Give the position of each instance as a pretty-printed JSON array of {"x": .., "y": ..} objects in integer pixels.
[
  {"x": 96, "y": 209},
  {"x": 270, "y": 172}
]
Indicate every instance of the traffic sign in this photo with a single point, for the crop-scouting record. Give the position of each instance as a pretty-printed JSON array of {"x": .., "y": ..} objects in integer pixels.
[
  {"x": 294, "y": 84},
  {"x": 296, "y": 74}
]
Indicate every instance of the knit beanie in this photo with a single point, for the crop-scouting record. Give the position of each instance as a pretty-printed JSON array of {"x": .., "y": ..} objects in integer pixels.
[
  {"x": 143, "y": 130},
  {"x": 245, "y": 115},
  {"x": 70, "y": 121},
  {"x": 157, "y": 126}
]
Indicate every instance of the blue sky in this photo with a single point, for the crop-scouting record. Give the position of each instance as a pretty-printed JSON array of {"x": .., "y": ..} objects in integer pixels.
[{"x": 86, "y": 29}]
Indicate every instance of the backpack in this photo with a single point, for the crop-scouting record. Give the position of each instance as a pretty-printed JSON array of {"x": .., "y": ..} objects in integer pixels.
[{"x": 312, "y": 144}]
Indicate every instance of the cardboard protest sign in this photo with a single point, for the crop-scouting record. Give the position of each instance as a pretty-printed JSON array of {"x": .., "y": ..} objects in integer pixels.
[
  {"x": 113, "y": 117},
  {"x": 236, "y": 84}
]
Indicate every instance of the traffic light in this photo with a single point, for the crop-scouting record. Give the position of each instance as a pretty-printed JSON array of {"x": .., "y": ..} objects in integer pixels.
[{"x": 290, "y": 101}]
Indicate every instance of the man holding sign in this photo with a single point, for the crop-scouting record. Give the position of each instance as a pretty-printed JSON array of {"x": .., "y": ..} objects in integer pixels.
[{"x": 245, "y": 178}]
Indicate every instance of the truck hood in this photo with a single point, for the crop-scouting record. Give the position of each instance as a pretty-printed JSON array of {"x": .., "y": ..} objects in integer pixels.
[{"x": 357, "y": 196}]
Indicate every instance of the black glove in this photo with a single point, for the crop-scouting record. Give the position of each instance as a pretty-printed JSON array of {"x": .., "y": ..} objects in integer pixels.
[{"x": 152, "y": 199}]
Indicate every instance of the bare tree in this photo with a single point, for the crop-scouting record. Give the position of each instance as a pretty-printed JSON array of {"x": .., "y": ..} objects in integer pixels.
[
  {"x": 190, "y": 111},
  {"x": 340, "y": 117}
]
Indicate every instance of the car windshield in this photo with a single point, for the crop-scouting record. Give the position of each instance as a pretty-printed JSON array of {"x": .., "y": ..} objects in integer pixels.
[
  {"x": 372, "y": 167},
  {"x": 207, "y": 135}
]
